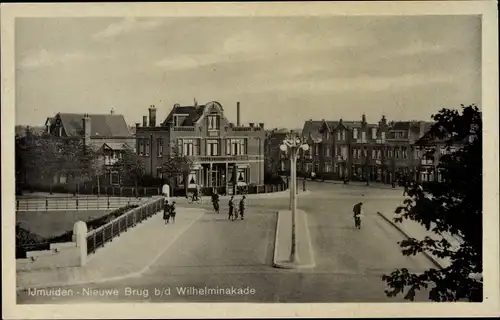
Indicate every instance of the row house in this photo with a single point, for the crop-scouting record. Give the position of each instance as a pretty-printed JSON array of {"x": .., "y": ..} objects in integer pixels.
[
  {"x": 106, "y": 133},
  {"x": 218, "y": 148},
  {"x": 360, "y": 150},
  {"x": 275, "y": 159},
  {"x": 429, "y": 150}
]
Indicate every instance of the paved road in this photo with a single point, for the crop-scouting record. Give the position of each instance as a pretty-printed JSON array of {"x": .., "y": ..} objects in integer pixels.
[{"x": 217, "y": 253}]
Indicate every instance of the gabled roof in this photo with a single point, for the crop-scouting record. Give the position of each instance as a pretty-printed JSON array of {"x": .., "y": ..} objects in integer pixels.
[
  {"x": 352, "y": 124},
  {"x": 401, "y": 126},
  {"x": 193, "y": 114},
  {"x": 116, "y": 145},
  {"x": 103, "y": 125},
  {"x": 311, "y": 126},
  {"x": 331, "y": 125}
]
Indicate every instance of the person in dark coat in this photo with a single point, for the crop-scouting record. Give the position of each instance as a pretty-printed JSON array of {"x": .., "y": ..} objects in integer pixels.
[
  {"x": 231, "y": 208},
  {"x": 173, "y": 212},
  {"x": 357, "y": 210},
  {"x": 215, "y": 201},
  {"x": 242, "y": 207},
  {"x": 166, "y": 212}
]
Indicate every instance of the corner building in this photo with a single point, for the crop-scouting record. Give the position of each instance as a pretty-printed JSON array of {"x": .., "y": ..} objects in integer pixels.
[{"x": 203, "y": 133}]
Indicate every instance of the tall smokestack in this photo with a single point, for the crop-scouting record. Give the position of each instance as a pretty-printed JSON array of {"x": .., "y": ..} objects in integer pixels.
[
  {"x": 238, "y": 114},
  {"x": 152, "y": 116},
  {"x": 144, "y": 121},
  {"x": 87, "y": 126}
]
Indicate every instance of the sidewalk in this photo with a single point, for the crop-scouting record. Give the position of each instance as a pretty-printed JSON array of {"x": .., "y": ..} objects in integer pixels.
[
  {"x": 129, "y": 255},
  {"x": 412, "y": 229}
]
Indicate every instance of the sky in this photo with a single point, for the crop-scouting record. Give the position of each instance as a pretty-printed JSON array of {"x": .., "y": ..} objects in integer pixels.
[{"x": 282, "y": 70}]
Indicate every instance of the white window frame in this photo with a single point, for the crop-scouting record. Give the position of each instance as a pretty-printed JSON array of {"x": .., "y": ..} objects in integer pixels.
[
  {"x": 159, "y": 147},
  {"x": 355, "y": 133},
  {"x": 339, "y": 135},
  {"x": 363, "y": 136},
  {"x": 209, "y": 145},
  {"x": 213, "y": 122},
  {"x": 238, "y": 146}
]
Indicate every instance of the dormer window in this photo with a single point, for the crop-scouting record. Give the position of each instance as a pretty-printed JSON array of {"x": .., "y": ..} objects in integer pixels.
[
  {"x": 355, "y": 133},
  {"x": 213, "y": 122},
  {"x": 374, "y": 133},
  {"x": 339, "y": 137},
  {"x": 59, "y": 132}
]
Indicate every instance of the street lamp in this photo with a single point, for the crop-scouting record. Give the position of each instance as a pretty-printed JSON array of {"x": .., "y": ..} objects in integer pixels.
[{"x": 293, "y": 145}]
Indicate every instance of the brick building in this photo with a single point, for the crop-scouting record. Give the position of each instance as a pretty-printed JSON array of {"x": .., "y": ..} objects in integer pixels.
[
  {"x": 361, "y": 150},
  {"x": 203, "y": 133},
  {"x": 107, "y": 133}
]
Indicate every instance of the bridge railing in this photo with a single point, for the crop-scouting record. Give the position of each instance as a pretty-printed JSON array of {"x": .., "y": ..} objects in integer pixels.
[
  {"x": 73, "y": 203},
  {"x": 97, "y": 238}
]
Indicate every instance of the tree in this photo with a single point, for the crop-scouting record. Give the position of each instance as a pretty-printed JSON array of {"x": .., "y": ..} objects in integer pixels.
[
  {"x": 177, "y": 165},
  {"x": 130, "y": 168},
  {"x": 453, "y": 206}
]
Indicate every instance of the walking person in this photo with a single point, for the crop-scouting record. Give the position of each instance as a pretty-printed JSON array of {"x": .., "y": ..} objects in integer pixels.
[
  {"x": 166, "y": 212},
  {"x": 231, "y": 208},
  {"x": 358, "y": 212},
  {"x": 215, "y": 201},
  {"x": 173, "y": 212},
  {"x": 242, "y": 207}
]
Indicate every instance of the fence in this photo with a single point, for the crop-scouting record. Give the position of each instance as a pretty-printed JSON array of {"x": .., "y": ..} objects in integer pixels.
[
  {"x": 100, "y": 236},
  {"x": 73, "y": 203}
]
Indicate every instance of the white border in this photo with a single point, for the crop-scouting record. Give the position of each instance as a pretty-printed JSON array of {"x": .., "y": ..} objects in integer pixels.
[{"x": 488, "y": 10}]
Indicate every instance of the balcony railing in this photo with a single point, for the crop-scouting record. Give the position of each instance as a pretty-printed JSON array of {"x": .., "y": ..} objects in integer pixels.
[
  {"x": 226, "y": 158},
  {"x": 184, "y": 129}
]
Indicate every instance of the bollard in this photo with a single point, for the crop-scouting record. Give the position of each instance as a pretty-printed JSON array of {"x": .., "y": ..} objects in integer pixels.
[{"x": 80, "y": 237}]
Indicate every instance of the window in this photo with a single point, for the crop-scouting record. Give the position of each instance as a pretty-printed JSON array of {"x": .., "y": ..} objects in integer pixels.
[
  {"x": 374, "y": 133},
  {"x": 389, "y": 153},
  {"x": 327, "y": 135},
  {"x": 339, "y": 135},
  {"x": 344, "y": 153},
  {"x": 404, "y": 152},
  {"x": 159, "y": 147},
  {"x": 60, "y": 132},
  {"x": 212, "y": 147},
  {"x": 235, "y": 147},
  {"x": 343, "y": 135},
  {"x": 355, "y": 133},
  {"x": 374, "y": 153},
  {"x": 317, "y": 149},
  {"x": 363, "y": 136},
  {"x": 213, "y": 122},
  {"x": 159, "y": 173},
  {"x": 328, "y": 151},
  {"x": 383, "y": 136},
  {"x": 354, "y": 153},
  {"x": 146, "y": 151},
  {"x": 365, "y": 153},
  {"x": 141, "y": 147},
  {"x": 397, "y": 153},
  {"x": 179, "y": 146},
  {"x": 190, "y": 147},
  {"x": 379, "y": 154}
]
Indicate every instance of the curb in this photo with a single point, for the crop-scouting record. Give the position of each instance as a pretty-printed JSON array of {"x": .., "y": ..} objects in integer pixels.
[
  {"x": 428, "y": 256},
  {"x": 126, "y": 276},
  {"x": 307, "y": 237}
]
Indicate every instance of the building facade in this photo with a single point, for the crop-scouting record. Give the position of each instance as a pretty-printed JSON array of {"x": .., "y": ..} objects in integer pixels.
[
  {"x": 218, "y": 148},
  {"x": 107, "y": 133},
  {"x": 360, "y": 150}
]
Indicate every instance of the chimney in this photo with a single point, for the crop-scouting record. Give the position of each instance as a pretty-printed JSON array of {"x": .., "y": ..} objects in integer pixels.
[
  {"x": 152, "y": 116},
  {"x": 238, "y": 114},
  {"x": 144, "y": 121},
  {"x": 261, "y": 125},
  {"x": 87, "y": 126},
  {"x": 363, "y": 118},
  {"x": 112, "y": 111},
  {"x": 251, "y": 124},
  {"x": 383, "y": 121},
  {"x": 137, "y": 125}
]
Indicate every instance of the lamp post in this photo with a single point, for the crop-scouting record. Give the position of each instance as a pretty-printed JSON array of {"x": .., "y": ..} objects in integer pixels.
[{"x": 293, "y": 145}]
